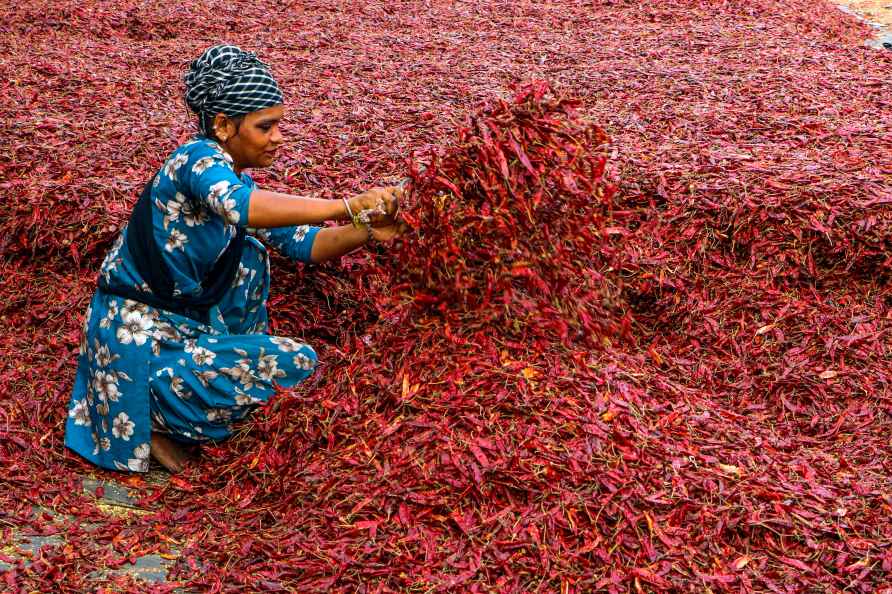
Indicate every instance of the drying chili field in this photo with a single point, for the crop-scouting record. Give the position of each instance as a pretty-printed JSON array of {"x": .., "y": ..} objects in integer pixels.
[{"x": 639, "y": 338}]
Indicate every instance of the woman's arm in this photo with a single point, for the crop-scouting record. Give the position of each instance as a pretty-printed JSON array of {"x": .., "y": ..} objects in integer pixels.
[
  {"x": 271, "y": 209},
  {"x": 334, "y": 242}
]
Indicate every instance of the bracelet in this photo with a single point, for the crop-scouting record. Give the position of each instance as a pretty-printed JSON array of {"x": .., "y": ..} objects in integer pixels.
[
  {"x": 370, "y": 238},
  {"x": 350, "y": 214}
]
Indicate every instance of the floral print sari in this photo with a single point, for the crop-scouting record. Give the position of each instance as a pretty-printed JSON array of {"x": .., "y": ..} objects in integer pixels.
[{"x": 143, "y": 369}]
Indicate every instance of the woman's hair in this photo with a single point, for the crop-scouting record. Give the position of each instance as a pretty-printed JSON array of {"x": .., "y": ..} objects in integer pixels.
[{"x": 206, "y": 124}]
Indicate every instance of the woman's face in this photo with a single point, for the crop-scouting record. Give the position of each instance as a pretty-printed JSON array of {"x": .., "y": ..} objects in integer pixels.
[{"x": 252, "y": 143}]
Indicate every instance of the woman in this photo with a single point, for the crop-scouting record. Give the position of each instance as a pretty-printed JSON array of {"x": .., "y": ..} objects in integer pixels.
[{"x": 175, "y": 347}]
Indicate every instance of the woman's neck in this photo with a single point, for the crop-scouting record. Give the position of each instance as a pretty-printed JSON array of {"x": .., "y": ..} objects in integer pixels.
[{"x": 235, "y": 166}]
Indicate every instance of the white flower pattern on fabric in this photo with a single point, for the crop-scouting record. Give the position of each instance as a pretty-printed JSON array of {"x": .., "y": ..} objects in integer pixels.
[
  {"x": 110, "y": 315},
  {"x": 194, "y": 215},
  {"x": 218, "y": 415},
  {"x": 136, "y": 327},
  {"x": 103, "y": 355},
  {"x": 203, "y": 356},
  {"x": 122, "y": 426},
  {"x": 300, "y": 232},
  {"x": 174, "y": 163},
  {"x": 203, "y": 164},
  {"x": 178, "y": 387},
  {"x": 142, "y": 451},
  {"x": 268, "y": 367},
  {"x": 140, "y": 460},
  {"x": 105, "y": 386},
  {"x": 243, "y": 399},
  {"x": 285, "y": 344},
  {"x": 111, "y": 260},
  {"x": 80, "y": 412},
  {"x": 205, "y": 377},
  {"x": 241, "y": 372},
  {"x": 241, "y": 276},
  {"x": 176, "y": 240},
  {"x": 221, "y": 203},
  {"x": 165, "y": 331},
  {"x": 173, "y": 208},
  {"x": 133, "y": 306},
  {"x": 304, "y": 362},
  {"x": 85, "y": 327},
  {"x": 181, "y": 206}
]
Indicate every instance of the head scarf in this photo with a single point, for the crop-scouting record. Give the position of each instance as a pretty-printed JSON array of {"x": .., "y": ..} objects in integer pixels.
[{"x": 228, "y": 80}]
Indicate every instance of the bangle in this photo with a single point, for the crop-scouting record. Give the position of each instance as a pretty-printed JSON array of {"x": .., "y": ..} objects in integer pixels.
[
  {"x": 347, "y": 207},
  {"x": 370, "y": 238}
]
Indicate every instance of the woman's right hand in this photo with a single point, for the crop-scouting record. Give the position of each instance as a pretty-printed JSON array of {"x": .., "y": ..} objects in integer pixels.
[
  {"x": 390, "y": 232},
  {"x": 380, "y": 204}
]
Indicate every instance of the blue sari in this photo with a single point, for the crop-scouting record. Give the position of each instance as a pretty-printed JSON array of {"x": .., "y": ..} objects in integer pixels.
[{"x": 143, "y": 369}]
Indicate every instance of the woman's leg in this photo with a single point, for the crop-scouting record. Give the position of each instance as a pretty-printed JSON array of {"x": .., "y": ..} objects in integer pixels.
[
  {"x": 201, "y": 386},
  {"x": 168, "y": 453}
]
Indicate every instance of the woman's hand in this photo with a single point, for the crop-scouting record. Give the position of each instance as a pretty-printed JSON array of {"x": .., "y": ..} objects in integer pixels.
[
  {"x": 388, "y": 233},
  {"x": 377, "y": 206}
]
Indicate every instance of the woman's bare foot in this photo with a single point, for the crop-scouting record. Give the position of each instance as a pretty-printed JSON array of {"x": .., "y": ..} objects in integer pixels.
[{"x": 168, "y": 453}]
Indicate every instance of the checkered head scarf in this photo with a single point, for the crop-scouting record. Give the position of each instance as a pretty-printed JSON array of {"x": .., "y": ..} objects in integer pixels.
[{"x": 228, "y": 80}]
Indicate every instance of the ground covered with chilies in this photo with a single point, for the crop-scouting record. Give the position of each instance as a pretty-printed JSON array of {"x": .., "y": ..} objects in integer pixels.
[{"x": 638, "y": 338}]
